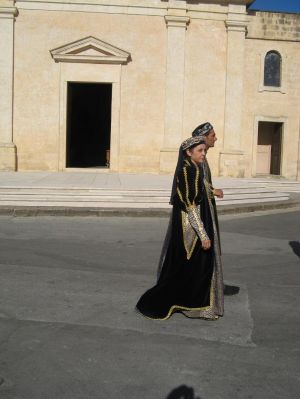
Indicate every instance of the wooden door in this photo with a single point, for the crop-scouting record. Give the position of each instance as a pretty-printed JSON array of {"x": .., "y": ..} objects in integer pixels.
[{"x": 263, "y": 161}]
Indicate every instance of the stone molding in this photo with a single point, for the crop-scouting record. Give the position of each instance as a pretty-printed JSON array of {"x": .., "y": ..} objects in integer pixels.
[
  {"x": 215, "y": 11},
  {"x": 177, "y": 21},
  {"x": 236, "y": 26},
  {"x": 7, "y": 145},
  {"x": 90, "y": 50},
  {"x": 8, "y": 12},
  {"x": 232, "y": 152}
]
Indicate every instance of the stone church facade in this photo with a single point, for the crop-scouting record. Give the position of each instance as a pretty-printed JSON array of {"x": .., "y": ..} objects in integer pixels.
[{"x": 117, "y": 85}]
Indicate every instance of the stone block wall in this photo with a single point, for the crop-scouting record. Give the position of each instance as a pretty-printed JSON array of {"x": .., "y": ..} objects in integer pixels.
[{"x": 274, "y": 26}]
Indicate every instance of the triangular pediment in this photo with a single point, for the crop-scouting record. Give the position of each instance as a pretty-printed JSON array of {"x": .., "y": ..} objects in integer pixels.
[{"x": 90, "y": 50}]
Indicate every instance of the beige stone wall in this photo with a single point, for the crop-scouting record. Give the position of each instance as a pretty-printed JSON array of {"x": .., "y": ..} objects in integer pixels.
[
  {"x": 213, "y": 86},
  {"x": 37, "y": 84},
  {"x": 205, "y": 75},
  {"x": 269, "y": 104},
  {"x": 38, "y": 111},
  {"x": 143, "y": 94}
]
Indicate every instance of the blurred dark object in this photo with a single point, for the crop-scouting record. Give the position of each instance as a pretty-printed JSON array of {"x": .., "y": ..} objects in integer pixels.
[
  {"x": 231, "y": 290},
  {"x": 182, "y": 392},
  {"x": 295, "y": 245}
]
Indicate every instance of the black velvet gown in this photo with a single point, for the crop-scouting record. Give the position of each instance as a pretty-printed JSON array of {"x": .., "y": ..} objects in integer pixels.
[{"x": 186, "y": 279}]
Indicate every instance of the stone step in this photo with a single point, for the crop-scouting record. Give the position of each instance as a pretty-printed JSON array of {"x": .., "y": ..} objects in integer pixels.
[
  {"x": 124, "y": 197},
  {"x": 127, "y": 203},
  {"x": 117, "y": 192},
  {"x": 113, "y": 190},
  {"x": 116, "y": 197},
  {"x": 138, "y": 205},
  {"x": 286, "y": 186}
]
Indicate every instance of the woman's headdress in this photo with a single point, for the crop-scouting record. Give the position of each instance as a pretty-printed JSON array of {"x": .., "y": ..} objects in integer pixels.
[
  {"x": 185, "y": 145},
  {"x": 191, "y": 141}
]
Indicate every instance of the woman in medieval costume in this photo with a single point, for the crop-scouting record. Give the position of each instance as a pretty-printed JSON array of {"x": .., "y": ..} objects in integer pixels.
[{"x": 190, "y": 280}]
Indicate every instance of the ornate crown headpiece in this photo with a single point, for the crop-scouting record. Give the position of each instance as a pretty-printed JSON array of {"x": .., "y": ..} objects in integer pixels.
[
  {"x": 188, "y": 143},
  {"x": 202, "y": 130}
]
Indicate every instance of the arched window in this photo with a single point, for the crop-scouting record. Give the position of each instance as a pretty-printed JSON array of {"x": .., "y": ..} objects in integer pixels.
[{"x": 272, "y": 69}]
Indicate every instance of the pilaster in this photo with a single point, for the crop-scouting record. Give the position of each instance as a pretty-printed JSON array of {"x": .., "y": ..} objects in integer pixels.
[
  {"x": 7, "y": 148},
  {"x": 231, "y": 157},
  {"x": 176, "y": 23}
]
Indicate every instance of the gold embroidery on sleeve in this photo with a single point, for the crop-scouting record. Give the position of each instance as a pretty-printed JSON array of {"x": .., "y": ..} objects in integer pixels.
[
  {"x": 186, "y": 187},
  {"x": 196, "y": 222},
  {"x": 189, "y": 235},
  {"x": 197, "y": 182}
]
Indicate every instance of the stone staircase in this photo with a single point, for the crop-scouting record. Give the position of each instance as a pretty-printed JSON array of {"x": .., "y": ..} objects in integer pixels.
[
  {"x": 79, "y": 197},
  {"x": 280, "y": 186}
]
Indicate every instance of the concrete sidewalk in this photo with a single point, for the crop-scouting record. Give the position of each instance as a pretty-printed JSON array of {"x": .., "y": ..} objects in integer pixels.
[
  {"x": 98, "y": 193},
  {"x": 110, "y": 180}
]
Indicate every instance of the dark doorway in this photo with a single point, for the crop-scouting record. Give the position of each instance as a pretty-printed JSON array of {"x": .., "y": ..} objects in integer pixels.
[
  {"x": 88, "y": 124},
  {"x": 269, "y": 148}
]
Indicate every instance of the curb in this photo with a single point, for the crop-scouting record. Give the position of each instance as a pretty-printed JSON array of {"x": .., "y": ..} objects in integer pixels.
[{"x": 28, "y": 211}]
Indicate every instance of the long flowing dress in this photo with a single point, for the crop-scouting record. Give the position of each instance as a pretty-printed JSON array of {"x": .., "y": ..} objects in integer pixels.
[{"x": 191, "y": 278}]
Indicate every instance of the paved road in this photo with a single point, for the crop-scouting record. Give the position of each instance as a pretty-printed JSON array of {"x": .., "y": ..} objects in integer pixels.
[{"x": 68, "y": 329}]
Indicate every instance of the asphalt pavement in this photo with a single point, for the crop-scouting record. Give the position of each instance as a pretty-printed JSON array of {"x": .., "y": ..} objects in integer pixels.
[{"x": 68, "y": 328}]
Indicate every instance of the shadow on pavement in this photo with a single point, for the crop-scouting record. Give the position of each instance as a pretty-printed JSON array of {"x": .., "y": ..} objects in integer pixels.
[
  {"x": 231, "y": 289},
  {"x": 295, "y": 245},
  {"x": 182, "y": 392}
]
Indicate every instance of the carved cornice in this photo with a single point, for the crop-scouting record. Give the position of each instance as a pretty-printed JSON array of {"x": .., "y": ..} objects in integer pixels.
[
  {"x": 177, "y": 21},
  {"x": 8, "y": 12},
  {"x": 236, "y": 25},
  {"x": 90, "y": 50}
]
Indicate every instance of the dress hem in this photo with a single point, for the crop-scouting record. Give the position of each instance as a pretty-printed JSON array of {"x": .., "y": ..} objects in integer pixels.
[{"x": 174, "y": 308}]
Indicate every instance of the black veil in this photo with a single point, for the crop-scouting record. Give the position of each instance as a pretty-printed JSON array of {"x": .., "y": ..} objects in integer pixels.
[
  {"x": 179, "y": 165},
  {"x": 187, "y": 144}
]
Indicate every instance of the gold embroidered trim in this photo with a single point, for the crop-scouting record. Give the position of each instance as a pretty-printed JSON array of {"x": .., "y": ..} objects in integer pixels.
[
  {"x": 178, "y": 307},
  {"x": 199, "y": 223},
  {"x": 180, "y": 196},
  {"x": 189, "y": 237},
  {"x": 197, "y": 181},
  {"x": 186, "y": 186}
]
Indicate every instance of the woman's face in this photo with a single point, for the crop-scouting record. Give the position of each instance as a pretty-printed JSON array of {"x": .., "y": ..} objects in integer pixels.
[{"x": 197, "y": 153}]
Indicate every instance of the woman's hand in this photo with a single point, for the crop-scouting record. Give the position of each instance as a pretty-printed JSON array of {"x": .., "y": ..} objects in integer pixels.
[
  {"x": 218, "y": 193},
  {"x": 206, "y": 244}
]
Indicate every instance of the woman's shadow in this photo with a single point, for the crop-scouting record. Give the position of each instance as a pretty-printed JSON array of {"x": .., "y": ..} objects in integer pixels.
[
  {"x": 231, "y": 289},
  {"x": 295, "y": 245},
  {"x": 182, "y": 392}
]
